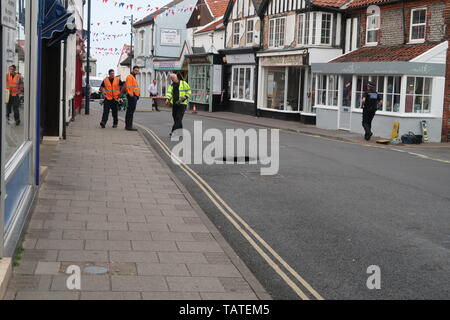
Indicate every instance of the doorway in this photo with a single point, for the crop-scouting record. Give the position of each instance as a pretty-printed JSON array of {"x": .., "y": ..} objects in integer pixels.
[{"x": 345, "y": 109}]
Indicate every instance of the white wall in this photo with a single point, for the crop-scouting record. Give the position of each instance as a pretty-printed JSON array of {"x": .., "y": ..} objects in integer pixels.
[{"x": 211, "y": 41}]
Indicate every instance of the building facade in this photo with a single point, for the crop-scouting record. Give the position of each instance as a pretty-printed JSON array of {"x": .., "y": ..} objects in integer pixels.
[
  {"x": 402, "y": 47},
  {"x": 243, "y": 38},
  {"x": 160, "y": 39}
]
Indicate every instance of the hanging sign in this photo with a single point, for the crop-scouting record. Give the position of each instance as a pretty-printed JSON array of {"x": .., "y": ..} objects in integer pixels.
[{"x": 9, "y": 13}]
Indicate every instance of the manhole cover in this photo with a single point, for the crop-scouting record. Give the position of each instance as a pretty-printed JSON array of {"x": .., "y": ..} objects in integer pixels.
[{"x": 95, "y": 270}]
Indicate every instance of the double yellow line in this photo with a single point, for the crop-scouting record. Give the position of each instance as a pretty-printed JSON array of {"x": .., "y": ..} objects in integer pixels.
[{"x": 277, "y": 263}]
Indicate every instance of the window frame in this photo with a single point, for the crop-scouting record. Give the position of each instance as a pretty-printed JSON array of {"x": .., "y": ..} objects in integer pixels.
[
  {"x": 236, "y": 35},
  {"x": 424, "y": 24},
  {"x": 274, "y": 32},
  {"x": 247, "y": 31},
  {"x": 320, "y": 29},
  {"x": 236, "y": 70},
  {"x": 376, "y": 29},
  {"x": 414, "y": 95}
]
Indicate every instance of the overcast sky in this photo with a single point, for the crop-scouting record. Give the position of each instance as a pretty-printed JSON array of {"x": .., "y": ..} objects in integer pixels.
[{"x": 106, "y": 12}]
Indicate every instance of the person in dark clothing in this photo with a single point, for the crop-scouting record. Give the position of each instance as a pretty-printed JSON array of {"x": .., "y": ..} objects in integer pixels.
[
  {"x": 112, "y": 89},
  {"x": 133, "y": 94},
  {"x": 178, "y": 95},
  {"x": 371, "y": 100}
]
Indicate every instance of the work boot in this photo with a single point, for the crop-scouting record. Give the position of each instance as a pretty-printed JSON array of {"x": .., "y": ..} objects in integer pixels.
[
  {"x": 131, "y": 129},
  {"x": 102, "y": 125}
]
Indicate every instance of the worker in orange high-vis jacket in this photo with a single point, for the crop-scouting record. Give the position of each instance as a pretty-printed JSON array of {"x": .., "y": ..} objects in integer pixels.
[
  {"x": 112, "y": 89},
  {"x": 14, "y": 84},
  {"x": 133, "y": 94}
]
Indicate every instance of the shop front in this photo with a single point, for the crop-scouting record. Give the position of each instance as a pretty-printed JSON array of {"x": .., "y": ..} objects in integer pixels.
[
  {"x": 411, "y": 91},
  {"x": 19, "y": 145},
  {"x": 241, "y": 75},
  {"x": 205, "y": 80},
  {"x": 284, "y": 86}
]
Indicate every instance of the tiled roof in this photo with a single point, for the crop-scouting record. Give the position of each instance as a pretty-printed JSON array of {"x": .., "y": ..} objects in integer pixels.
[
  {"x": 364, "y": 3},
  {"x": 217, "y": 7},
  {"x": 330, "y": 3},
  {"x": 382, "y": 53},
  {"x": 217, "y": 25}
]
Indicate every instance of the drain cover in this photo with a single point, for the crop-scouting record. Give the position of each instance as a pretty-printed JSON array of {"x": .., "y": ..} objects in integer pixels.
[{"x": 95, "y": 270}]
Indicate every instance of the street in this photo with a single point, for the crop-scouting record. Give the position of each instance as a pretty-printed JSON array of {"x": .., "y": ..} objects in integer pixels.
[{"x": 334, "y": 209}]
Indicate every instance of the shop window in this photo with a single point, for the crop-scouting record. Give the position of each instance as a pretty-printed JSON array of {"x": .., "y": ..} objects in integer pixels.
[
  {"x": 277, "y": 32},
  {"x": 293, "y": 89},
  {"x": 250, "y": 31},
  {"x": 200, "y": 83},
  {"x": 327, "y": 90},
  {"x": 347, "y": 90},
  {"x": 418, "y": 95},
  {"x": 373, "y": 25},
  {"x": 275, "y": 88},
  {"x": 418, "y": 25},
  {"x": 392, "y": 103},
  {"x": 16, "y": 108},
  {"x": 242, "y": 84},
  {"x": 361, "y": 86},
  {"x": 236, "y": 33}
]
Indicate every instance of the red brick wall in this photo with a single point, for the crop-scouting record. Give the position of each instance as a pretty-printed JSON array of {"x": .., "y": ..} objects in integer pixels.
[{"x": 446, "y": 113}]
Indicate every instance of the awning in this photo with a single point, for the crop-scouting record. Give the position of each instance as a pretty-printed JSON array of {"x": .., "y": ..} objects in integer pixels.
[{"x": 58, "y": 22}]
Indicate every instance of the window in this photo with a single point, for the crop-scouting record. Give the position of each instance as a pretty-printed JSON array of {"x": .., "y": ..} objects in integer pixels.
[
  {"x": 250, "y": 30},
  {"x": 418, "y": 25},
  {"x": 418, "y": 95},
  {"x": 242, "y": 85},
  {"x": 142, "y": 43},
  {"x": 275, "y": 88},
  {"x": 392, "y": 103},
  {"x": 236, "y": 32},
  {"x": 199, "y": 78},
  {"x": 327, "y": 90},
  {"x": 320, "y": 24},
  {"x": 352, "y": 34},
  {"x": 361, "y": 85},
  {"x": 301, "y": 29},
  {"x": 373, "y": 25},
  {"x": 325, "y": 31},
  {"x": 276, "y": 32}
]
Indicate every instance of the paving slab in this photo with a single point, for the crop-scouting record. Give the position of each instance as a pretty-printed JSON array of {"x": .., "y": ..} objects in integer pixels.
[{"x": 112, "y": 208}]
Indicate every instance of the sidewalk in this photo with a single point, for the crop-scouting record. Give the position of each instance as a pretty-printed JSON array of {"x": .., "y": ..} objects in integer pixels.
[{"x": 109, "y": 201}]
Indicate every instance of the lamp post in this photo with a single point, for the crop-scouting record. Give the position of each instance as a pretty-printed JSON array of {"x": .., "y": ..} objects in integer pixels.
[
  {"x": 88, "y": 62},
  {"x": 131, "y": 34}
]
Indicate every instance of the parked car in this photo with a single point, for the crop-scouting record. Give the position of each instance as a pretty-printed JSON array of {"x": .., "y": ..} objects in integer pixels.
[{"x": 94, "y": 83}]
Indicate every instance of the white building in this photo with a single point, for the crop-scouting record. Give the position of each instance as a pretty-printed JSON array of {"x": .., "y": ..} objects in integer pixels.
[{"x": 123, "y": 70}]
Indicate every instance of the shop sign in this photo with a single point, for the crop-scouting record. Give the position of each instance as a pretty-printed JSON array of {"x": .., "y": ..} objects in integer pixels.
[
  {"x": 9, "y": 13},
  {"x": 167, "y": 65},
  {"x": 291, "y": 60},
  {"x": 170, "y": 37},
  {"x": 248, "y": 58}
]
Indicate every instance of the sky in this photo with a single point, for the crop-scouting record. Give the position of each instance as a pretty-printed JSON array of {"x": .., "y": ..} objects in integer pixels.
[{"x": 106, "y": 12}]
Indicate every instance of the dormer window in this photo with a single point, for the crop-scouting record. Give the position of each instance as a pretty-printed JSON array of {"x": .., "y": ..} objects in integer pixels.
[
  {"x": 236, "y": 33},
  {"x": 418, "y": 25},
  {"x": 373, "y": 25}
]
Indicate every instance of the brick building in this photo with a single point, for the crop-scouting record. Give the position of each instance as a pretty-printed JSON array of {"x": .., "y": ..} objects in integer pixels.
[{"x": 402, "y": 47}]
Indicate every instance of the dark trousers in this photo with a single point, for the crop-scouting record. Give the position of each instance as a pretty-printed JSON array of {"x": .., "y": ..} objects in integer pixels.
[
  {"x": 13, "y": 105},
  {"x": 154, "y": 104},
  {"x": 113, "y": 105},
  {"x": 178, "y": 114},
  {"x": 132, "y": 102},
  {"x": 368, "y": 115}
]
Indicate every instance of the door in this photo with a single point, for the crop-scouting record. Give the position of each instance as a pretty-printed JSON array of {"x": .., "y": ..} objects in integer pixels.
[{"x": 345, "y": 109}]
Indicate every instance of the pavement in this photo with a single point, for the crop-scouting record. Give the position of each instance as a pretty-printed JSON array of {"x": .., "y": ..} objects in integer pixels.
[
  {"x": 334, "y": 209},
  {"x": 113, "y": 208}
]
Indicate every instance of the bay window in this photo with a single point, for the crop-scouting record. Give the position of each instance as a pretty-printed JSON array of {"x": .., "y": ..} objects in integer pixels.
[
  {"x": 242, "y": 83},
  {"x": 315, "y": 28},
  {"x": 418, "y": 25},
  {"x": 418, "y": 95},
  {"x": 277, "y": 32}
]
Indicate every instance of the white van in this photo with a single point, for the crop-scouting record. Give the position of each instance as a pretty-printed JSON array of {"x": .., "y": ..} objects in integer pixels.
[{"x": 95, "y": 83}]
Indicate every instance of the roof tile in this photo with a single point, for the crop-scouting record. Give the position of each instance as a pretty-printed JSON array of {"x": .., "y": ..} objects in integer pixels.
[
  {"x": 218, "y": 7},
  {"x": 385, "y": 54}
]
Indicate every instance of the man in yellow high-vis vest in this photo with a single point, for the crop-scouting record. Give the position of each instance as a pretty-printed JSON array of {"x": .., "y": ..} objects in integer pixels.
[{"x": 177, "y": 95}]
